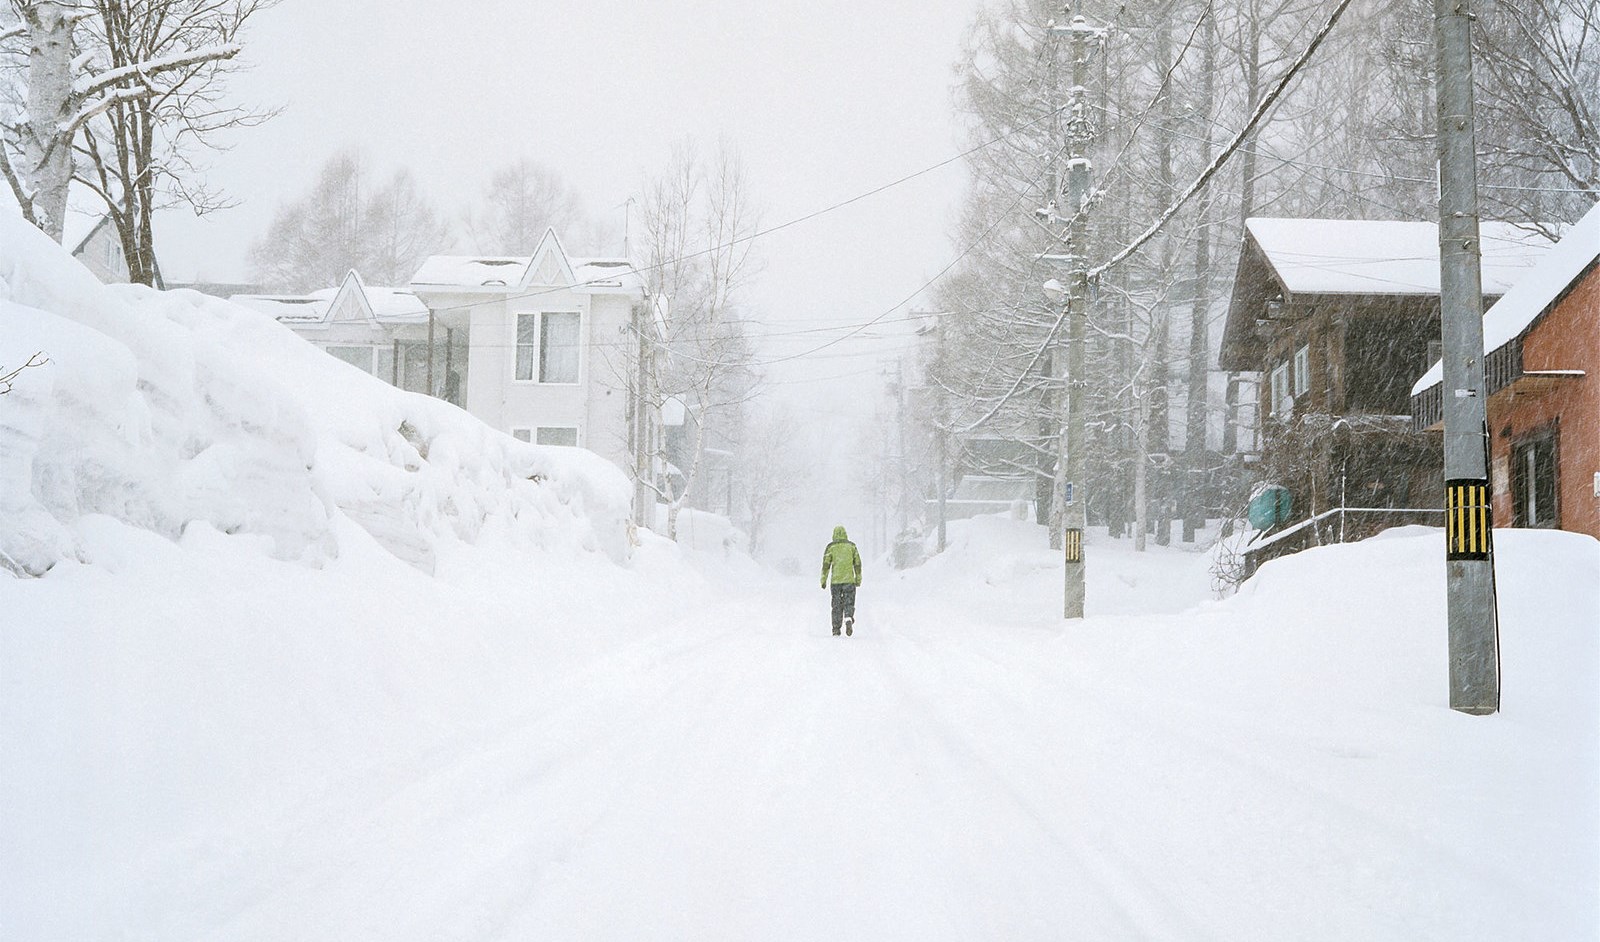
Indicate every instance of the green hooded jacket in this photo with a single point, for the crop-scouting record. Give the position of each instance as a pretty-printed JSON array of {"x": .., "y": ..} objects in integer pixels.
[{"x": 841, "y": 561}]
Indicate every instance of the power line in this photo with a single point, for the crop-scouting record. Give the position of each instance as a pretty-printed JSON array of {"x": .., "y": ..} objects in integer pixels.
[
  {"x": 1260, "y": 151},
  {"x": 1261, "y": 109}
]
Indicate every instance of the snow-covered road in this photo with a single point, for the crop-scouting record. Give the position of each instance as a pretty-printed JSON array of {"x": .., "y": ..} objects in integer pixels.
[{"x": 732, "y": 771}]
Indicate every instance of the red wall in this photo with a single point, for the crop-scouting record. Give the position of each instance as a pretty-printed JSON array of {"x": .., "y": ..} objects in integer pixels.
[{"x": 1568, "y": 338}]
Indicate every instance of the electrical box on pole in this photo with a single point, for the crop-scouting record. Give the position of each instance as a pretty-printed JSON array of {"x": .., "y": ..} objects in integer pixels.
[{"x": 1469, "y": 538}]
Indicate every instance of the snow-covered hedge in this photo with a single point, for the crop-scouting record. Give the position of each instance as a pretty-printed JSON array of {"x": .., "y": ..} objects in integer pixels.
[{"x": 164, "y": 408}]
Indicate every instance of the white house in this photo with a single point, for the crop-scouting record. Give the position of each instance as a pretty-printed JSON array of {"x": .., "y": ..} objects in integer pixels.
[
  {"x": 381, "y": 330},
  {"x": 547, "y": 341},
  {"x": 93, "y": 240}
]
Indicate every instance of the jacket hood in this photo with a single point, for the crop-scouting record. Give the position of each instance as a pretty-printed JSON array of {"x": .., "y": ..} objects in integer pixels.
[{"x": 839, "y": 534}]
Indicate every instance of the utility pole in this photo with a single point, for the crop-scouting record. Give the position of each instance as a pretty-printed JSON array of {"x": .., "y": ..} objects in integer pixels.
[
  {"x": 1469, "y": 539},
  {"x": 644, "y": 496},
  {"x": 903, "y": 464},
  {"x": 1080, "y": 132}
]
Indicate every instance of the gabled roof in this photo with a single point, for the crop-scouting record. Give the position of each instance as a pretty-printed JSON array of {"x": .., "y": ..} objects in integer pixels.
[
  {"x": 375, "y": 304},
  {"x": 548, "y": 267},
  {"x": 78, "y": 228},
  {"x": 354, "y": 299},
  {"x": 1383, "y": 257},
  {"x": 1387, "y": 260},
  {"x": 1537, "y": 292}
]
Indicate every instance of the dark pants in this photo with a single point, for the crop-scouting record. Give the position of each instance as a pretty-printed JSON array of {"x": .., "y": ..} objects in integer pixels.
[{"x": 844, "y": 604}]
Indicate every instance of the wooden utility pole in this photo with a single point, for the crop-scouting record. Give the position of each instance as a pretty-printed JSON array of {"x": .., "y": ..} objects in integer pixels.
[
  {"x": 1080, "y": 132},
  {"x": 1469, "y": 539}
]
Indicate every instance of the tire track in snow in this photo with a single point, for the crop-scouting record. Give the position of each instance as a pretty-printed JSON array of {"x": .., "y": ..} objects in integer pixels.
[{"x": 1143, "y": 909}]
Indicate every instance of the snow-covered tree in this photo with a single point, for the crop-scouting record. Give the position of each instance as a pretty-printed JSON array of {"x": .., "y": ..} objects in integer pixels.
[
  {"x": 118, "y": 94},
  {"x": 692, "y": 348}
]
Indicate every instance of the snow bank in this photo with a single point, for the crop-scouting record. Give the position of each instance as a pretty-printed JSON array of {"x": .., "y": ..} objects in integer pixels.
[
  {"x": 163, "y": 409},
  {"x": 1000, "y": 566}
]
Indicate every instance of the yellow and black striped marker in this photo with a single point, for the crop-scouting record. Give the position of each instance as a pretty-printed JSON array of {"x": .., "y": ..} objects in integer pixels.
[
  {"x": 1467, "y": 530},
  {"x": 1074, "y": 545}
]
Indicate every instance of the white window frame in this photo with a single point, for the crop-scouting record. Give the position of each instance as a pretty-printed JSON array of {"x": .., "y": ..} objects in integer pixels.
[
  {"x": 577, "y": 433},
  {"x": 536, "y": 354},
  {"x": 517, "y": 346},
  {"x": 1302, "y": 370},
  {"x": 1278, "y": 390}
]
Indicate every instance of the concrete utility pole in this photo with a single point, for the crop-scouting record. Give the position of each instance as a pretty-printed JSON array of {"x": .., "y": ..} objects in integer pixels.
[
  {"x": 1469, "y": 540},
  {"x": 1080, "y": 132}
]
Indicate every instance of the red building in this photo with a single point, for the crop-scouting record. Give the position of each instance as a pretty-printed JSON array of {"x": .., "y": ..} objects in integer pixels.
[{"x": 1542, "y": 366}]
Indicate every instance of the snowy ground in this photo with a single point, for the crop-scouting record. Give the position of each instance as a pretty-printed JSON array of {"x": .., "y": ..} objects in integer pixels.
[
  {"x": 205, "y": 745},
  {"x": 286, "y": 653}
]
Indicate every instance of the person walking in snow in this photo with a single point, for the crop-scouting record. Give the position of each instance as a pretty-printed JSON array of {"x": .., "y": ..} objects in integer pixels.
[{"x": 842, "y": 564}]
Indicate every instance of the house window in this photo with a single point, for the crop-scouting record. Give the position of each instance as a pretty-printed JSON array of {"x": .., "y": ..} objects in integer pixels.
[
  {"x": 557, "y": 435},
  {"x": 1280, "y": 390},
  {"x": 360, "y": 357},
  {"x": 1302, "y": 370},
  {"x": 547, "y": 347},
  {"x": 522, "y": 434},
  {"x": 558, "y": 348},
  {"x": 527, "y": 344},
  {"x": 1533, "y": 481}
]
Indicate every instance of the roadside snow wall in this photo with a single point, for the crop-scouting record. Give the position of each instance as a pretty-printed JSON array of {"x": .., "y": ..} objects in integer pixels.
[{"x": 164, "y": 408}]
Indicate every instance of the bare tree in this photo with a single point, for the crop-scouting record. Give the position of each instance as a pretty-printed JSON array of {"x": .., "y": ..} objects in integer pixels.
[
  {"x": 772, "y": 472},
  {"x": 1539, "y": 101},
  {"x": 313, "y": 241},
  {"x": 400, "y": 228},
  {"x": 695, "y": 351},
  {"x": 117, "y": 94},
  {"x": 8, "y": 377},
  {"x": 522, "y": 200},
  {"x": 157, "y": 76},
  {"x": 338, "y": 226}
]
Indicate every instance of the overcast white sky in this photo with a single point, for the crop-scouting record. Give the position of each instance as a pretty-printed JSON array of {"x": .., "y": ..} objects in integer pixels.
[{"x": 824, "y": 99}]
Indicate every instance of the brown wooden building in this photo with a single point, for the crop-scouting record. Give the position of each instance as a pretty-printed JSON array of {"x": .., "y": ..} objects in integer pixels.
[
  {"x": 1339, "y": 317},
  {"x": 1542, "y": 367}
]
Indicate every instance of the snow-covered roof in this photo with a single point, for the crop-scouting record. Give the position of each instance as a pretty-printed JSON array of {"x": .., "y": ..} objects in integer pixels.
[
  {"x": 1358, "y": 256},
  {"x": 1534, "y": 294},
  {"x": 396, "y": 305},
  {"x": 290, "y": 309},
  {"x": 392, "y": 306},
  {"x": 602, "y": 273},
  {"x": 548, "y": 266},
  {"x": 472, "y": 271}
]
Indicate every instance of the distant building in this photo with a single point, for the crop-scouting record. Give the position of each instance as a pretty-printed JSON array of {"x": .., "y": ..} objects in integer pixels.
[
  {"x": 381, "y": 330},
  {"x": 1338, "y": 317},
  {"x": 544, "y": 342},
  {"x": 1542, "y": 369},
  {"x": 93, "y": 240}
]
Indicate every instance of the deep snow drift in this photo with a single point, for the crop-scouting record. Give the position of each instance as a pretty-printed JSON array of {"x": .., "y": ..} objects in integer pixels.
[
  {"x": 160, "y": 409},
  {"x": 311, "y": 658}
]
